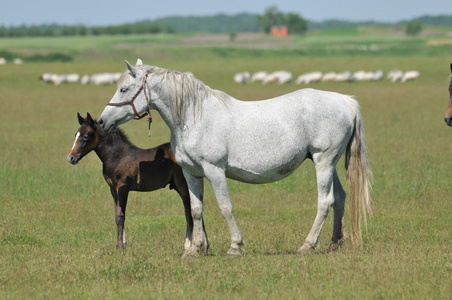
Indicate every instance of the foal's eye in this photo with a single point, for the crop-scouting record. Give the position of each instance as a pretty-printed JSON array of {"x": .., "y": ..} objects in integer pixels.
[{"x": 123, "y": 90}]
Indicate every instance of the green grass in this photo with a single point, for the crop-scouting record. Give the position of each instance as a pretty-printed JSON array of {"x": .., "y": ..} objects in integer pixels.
[{"x": 57, "y": 224}]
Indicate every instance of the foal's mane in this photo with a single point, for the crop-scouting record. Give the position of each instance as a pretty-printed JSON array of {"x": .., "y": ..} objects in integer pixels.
[
  {"x": 185, "y": 89},
  {"x": 117, "y": 134}
]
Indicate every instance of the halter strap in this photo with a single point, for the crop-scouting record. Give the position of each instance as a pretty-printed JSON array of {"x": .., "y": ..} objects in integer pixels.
[
  {"x": 138, "y": 116},
  {"x": 148, "y": 104}
]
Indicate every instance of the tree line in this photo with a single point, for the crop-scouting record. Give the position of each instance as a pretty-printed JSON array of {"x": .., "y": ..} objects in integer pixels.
[
  {"x": 219, "y": 23},
  {"x": 81, "y": 30}
]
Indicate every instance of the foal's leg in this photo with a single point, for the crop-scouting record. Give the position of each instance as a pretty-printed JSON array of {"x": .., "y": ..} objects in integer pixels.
[
  {"x": 325, "y": 174},
  {"x": 217, "y": 179},
  {"x": 199, "y": 243},
  {"x": 338, "y": 206},
  {"x": 120, "y": 198},
  {"x": 188, "y": 217}
]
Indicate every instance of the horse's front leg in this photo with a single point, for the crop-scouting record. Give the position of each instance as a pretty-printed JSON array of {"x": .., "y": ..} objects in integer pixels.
[
  {"x": 120, "y": 197},
  {"x": 199, "y": 242},
  {"x": 182, "y": 188},
  {"x": 217, "y": 179}
]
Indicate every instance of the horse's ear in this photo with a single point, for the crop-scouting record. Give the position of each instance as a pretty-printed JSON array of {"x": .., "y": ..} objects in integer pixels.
[
  {"x": 451, "y": 67},
  {"x": 80, "y": 119},
  {"x": 131, "y": 69},
  {"x": 139, "y": 62}
]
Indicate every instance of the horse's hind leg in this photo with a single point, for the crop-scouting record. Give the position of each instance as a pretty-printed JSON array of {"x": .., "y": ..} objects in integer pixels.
[
  {"x": 182, "y": 188},
  {"x": 338, "y": 206},
  {"x": 217, "y": 179},
  {"x": 325, "y": 178},
  {"x": 199, "y": 242}
]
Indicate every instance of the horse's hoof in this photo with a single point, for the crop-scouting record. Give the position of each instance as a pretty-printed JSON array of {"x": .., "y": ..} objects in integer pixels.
[
  {"x": 235, "y": 252},
  {"x": 190, "y": 254},
  {"x": 195, "y": 252},
  {"x": 305, "y": 250}
]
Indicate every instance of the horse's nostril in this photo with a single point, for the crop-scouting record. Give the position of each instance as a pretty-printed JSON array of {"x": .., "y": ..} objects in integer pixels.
[{"x": 100, "y": 121}]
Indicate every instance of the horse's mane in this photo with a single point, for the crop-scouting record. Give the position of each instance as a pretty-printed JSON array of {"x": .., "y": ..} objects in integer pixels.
[{"x": 185, "y": 89}]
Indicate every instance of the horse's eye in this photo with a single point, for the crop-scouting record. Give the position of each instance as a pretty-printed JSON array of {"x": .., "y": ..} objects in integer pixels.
[
  {"x": 85, "y": 136},
  {"x": 123, "y": 90}
]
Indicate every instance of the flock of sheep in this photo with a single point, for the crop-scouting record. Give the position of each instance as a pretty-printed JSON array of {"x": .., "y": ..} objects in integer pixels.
[
  {"x": 96, "y": 79},
  {"x": 281, "y": 77},
  {"x": 16, "y": 61}
]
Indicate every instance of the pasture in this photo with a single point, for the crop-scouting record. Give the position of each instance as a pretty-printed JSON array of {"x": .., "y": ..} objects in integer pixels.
[{"x": 57, "y": 228}]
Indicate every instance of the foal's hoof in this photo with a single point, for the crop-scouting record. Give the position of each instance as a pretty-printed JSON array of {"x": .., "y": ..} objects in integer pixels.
[
  {"x": 121, "y": 247},
  {"x": 336, "y": 246}
]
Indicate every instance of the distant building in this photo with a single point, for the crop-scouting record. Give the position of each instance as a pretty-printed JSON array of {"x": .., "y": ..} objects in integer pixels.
[{"x": 279, "y": 31}]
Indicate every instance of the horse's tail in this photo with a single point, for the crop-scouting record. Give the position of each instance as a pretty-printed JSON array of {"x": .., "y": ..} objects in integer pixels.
[{"x": 359, "y": 176}]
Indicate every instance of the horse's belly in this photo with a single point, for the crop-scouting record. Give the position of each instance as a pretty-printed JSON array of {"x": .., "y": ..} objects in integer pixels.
[{"x": 264, "y": 171}]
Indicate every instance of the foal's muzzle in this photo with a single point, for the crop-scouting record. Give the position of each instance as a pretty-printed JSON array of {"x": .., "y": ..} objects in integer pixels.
[
  {"x": 448, "y": 120},
  {"x": 73, "y": 159}
]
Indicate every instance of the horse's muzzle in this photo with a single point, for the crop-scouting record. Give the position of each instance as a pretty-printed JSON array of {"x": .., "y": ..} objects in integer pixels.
[
  {"x": 448, "y": 120},
  {"x": 73, "y": 159},
  {"x": 103, "y": 126}
]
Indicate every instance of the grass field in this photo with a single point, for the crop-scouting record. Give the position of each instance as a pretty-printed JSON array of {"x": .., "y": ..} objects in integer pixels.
[{"x": 57, "y": 228}]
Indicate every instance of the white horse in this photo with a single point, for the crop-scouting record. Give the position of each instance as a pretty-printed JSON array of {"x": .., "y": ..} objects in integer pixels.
[{"x": 216, "y": 136}]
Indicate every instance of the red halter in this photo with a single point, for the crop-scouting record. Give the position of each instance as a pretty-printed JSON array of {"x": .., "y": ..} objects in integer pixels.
[{"x": 138, "y": 116}]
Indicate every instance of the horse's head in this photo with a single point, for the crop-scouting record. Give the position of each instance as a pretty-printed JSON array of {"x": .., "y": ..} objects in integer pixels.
[
  {"x": 86, "y": 139},
  {"x": 129, "y": 101},
  {"x": 448, "y": 115}
]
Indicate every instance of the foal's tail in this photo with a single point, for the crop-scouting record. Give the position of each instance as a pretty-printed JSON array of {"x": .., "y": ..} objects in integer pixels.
[{"x": 359, "y": 176}]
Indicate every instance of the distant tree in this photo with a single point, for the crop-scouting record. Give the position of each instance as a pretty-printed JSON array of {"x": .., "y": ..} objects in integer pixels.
[
  {"x": 169, "y": 29},
  {"x": 296, "y": 24},
  {"x": 82, "y": 30},
  {"x": 232, "y": 36},
  {"x": 97, "y": 30},
  {"x": 413, "y": 27},
  {"x": 49, "y": 31},
  {"x": 272, "y": 16},
  {"x": 68, "y": 31},
  {"x": 33, "y": 31}
]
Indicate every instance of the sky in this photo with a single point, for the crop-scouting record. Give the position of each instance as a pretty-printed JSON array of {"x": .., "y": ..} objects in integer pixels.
[{"x": 114, "y": 12}]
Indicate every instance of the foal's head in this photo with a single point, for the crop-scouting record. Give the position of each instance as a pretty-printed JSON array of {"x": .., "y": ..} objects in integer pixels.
[{"x": 86, "y": 139}]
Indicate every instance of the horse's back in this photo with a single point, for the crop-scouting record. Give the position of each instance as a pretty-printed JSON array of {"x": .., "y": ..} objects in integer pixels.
[{"x": 305, "y": 115}]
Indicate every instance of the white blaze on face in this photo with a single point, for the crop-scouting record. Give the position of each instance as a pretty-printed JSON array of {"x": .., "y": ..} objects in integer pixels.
[{"x": 77, "y": 136}]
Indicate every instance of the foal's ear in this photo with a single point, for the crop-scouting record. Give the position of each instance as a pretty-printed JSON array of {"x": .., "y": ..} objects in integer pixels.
[
  {"x": 451, "y": 67},
  {"x": 139, "y": 62},
  {"x": 90, "y": 120},
  {"x": 80, "y": 119}
]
